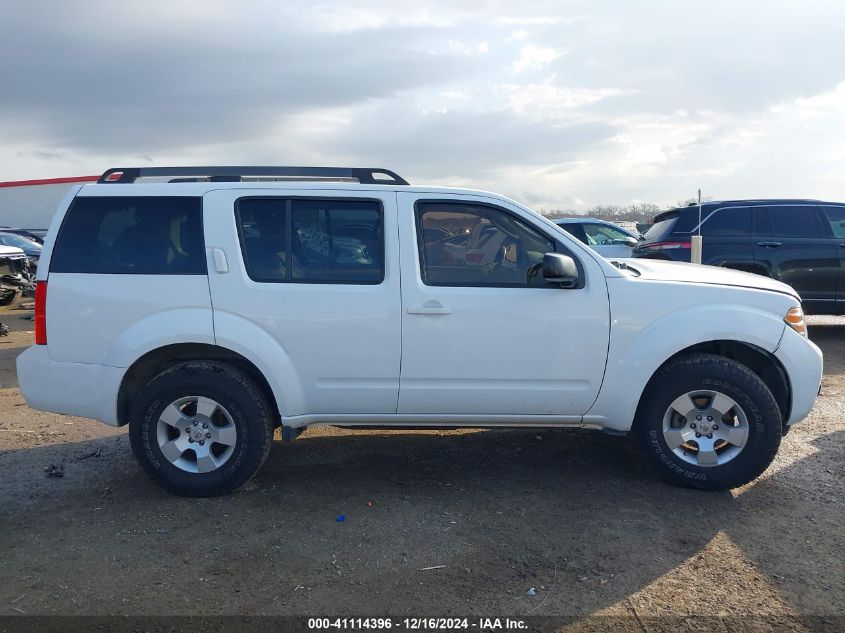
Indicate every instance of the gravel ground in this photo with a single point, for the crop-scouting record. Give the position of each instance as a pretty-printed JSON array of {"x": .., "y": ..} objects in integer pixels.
[{"x": 462, "y": 522}]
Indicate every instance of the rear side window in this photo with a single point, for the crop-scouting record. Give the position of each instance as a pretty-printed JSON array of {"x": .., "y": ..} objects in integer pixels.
[
  {"x": 131, "y": 235},
  {"x": 794, "y": 221},
  {"x": 312, "y": 241},
  {"x": 729, "y": 222}
]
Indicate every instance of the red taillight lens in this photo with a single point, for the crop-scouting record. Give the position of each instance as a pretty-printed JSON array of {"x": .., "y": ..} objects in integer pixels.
[
  {"x": 665, "y": 246},
  {"x": 40, "y": 312}
]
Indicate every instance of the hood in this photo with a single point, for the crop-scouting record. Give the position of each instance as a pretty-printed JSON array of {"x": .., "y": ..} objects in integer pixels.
[
  {"x": 659, "y": 270},
  {"x": 11, "y": 251}
]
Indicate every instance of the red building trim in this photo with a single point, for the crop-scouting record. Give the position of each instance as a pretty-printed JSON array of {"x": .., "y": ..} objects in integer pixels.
[{"x": 48, "y": 181}]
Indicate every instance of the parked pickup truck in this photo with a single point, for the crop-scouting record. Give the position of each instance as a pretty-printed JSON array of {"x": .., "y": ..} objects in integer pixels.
[{"x": 207, "y": 306}]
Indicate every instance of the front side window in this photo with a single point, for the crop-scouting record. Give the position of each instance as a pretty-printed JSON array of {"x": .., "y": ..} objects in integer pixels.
[
  {"x": 836, "y": 218},
  {"x": 478, "y": 245},
  {"x": 154, "y": 235},
  {"x": 312, "y": 241}
]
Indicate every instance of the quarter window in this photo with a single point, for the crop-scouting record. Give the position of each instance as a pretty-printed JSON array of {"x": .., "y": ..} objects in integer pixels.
[
  {"x": 131, "y": 235},
  {"x": 312, "y": 241},
  {"x": 477, "y": 245},
  {"x": 728, "y": 222}
]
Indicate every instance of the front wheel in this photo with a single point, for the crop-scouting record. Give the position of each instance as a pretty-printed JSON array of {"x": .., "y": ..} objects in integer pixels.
[
  {"x": 708, "y": 422},
  {"x": 201, "y": 428}
]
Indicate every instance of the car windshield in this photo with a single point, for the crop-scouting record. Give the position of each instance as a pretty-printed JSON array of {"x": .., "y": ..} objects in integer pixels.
[{"x": 11, "y": 239}]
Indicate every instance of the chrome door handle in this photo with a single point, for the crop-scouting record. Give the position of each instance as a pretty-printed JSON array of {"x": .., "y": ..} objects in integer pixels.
[
  {"x": 769, "y": 244},
  {"x": 430, "y": 310}
]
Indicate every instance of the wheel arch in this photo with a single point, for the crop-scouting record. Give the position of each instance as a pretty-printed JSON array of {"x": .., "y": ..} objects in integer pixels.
[
  {"x": 149, "y": 365},
  {"x": 760, "y": 361}
]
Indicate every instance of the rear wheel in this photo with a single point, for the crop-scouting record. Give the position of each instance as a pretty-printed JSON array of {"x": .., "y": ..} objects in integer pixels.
[
  {"x": 201, "y": 428},
  {"x": 708, "y": 422}
]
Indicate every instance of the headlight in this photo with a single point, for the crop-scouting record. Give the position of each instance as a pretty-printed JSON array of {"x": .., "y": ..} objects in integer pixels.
[{"x": 795, "y": 319}]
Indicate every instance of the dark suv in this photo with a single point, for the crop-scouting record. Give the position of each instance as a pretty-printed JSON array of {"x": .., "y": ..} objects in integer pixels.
[{"x": 799, "y": 242}]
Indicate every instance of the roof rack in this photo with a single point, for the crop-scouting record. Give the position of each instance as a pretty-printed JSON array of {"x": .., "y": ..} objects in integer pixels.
[{"x": 363, "y": 175}]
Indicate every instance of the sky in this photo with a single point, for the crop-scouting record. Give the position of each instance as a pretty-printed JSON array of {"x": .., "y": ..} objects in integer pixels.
[{"x": 565, "y": 104}]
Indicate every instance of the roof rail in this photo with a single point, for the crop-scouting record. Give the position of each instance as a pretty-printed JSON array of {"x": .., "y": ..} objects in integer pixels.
[{"x": 364, "y": 175}]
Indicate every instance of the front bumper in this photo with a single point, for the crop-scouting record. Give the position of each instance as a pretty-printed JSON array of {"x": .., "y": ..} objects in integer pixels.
[
  {"x": 81, "y": 389},
  {"x": 803, "y": 362}
]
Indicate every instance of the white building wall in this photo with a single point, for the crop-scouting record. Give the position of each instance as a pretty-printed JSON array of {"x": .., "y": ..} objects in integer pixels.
[{"x": 31, "y": 206}]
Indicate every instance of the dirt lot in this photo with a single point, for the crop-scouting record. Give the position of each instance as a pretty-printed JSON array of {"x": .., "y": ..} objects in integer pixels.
[{"x": 575, "y": 515}]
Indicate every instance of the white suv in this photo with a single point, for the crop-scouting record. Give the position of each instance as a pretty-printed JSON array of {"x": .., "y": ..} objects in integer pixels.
[{"x": 206, "y": 307}]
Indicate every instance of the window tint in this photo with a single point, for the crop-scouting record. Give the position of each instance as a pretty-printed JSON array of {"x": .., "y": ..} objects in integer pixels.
[
  {"x": 730, "y": 222},
  {"x": 337, "y": 241},
  {"x": 661, "y": 229},
  {"x": 603, "y": 235},
  {"x": 131, "y": 235},
  {"x": 836, "y": 217},
  {"x": 794, "y": 221},
  {"x": 314, "y": 241},
  {"x": 469, "y": 245},
  {"x": 263, "y": 225}
]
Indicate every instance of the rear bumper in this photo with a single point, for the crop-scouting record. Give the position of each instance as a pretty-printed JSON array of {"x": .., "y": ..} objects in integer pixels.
[
  {"x": 803, "y": 362},
  {"x": 81, "y": 389}
]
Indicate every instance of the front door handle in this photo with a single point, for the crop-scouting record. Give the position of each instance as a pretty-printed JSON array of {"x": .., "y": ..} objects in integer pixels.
[
  {"x": 769, "y": 244},
  {"x": 430, "y": 309}
]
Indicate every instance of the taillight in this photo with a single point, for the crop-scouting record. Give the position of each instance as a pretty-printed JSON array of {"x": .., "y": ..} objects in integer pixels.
[
  {"x": 40, "y": 312},
  {"x": 665, "y": 246}
]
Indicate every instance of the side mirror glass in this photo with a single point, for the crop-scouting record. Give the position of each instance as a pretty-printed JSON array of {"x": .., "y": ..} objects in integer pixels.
[{"x": 560, "y": 269}]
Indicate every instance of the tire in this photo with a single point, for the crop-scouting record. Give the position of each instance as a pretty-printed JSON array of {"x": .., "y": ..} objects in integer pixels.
[
  {"x": 713, "y": 382},
  {"x": 168, "y": 416}
]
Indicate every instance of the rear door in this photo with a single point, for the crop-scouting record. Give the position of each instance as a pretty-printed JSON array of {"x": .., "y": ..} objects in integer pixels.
[
  {"x": 726, "y": 238},
  {"x": 792, "y": 244},
  {"x": 316, "y": 277},
  {"x": 483, "y": 333}
]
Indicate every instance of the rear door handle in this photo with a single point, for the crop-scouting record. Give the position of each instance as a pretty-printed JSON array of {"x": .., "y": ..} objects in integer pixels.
[
  {"x": 430, "y": 310},
  {"x": 769, "y": 244},
  {"x": 221, "y": 264}
]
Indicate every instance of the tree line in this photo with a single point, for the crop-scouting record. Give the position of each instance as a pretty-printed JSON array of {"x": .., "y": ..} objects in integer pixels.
[{"x": 641, "y": 212}]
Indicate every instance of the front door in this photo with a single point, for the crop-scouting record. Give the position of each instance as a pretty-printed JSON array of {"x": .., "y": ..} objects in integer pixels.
[
  {"x": 790, "y": 242},
  {"x": 482, "y": 332},
  {"x": 310, "y": 287}
]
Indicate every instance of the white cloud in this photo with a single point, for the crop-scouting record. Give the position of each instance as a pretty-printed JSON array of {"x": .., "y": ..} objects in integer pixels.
[
  {"x": 532, "y": 57},
  {"x": 577, "y": 102}
]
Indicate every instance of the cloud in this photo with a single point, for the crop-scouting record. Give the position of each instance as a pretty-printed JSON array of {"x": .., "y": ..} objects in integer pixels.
[{"x": 578, "y": 102}]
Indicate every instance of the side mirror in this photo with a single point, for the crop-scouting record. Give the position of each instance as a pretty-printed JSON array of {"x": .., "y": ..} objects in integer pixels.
[
  {"x": 631, "y": 241},
  {"x": 560, "y": 269}
]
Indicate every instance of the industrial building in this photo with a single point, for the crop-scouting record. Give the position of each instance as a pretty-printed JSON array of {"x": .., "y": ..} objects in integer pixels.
[{"x": 30, "y": 204}]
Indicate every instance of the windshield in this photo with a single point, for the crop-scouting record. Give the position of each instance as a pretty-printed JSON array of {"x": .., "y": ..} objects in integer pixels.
[{"x": 10, "y": 239}]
